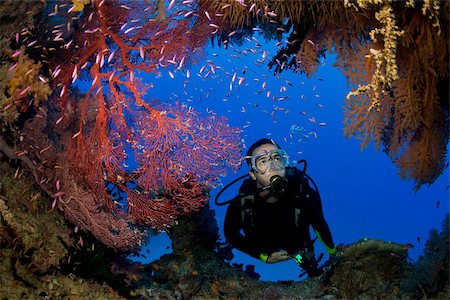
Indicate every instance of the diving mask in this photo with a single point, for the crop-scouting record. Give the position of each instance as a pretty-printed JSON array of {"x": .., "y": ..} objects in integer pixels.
[{"x": 276, "y": 159}]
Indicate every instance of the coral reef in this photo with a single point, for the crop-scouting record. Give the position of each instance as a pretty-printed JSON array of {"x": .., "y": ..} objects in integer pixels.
[
  {"x": 403, "y": 106},
  {"x": 34, "y": 242},
  {"x": 19, "y": 85},
  {"x": 368, "y": 269},
  {"x": 429, "y": 276},
  {"x": 69, "y": 156},
  {"x": 15, "y": 16},
  {"x": 24, "y": 86}
]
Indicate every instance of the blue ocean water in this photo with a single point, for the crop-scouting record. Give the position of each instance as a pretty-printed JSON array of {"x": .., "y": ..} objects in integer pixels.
[{"x": 362, "y": 194}]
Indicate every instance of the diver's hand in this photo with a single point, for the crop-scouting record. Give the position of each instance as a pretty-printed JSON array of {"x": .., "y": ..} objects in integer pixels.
[{"x": 277, "y": 257}]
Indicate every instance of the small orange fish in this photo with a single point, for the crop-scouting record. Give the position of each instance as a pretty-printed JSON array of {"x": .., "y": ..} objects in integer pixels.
[
  {"x": 112, "y": 292},
  {"x": 407, "y": 246},
  {"x": 135, "y": 277}
]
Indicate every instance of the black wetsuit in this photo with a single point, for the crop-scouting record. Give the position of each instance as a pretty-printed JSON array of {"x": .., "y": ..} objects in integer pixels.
[{"x": 272, "y": 227}]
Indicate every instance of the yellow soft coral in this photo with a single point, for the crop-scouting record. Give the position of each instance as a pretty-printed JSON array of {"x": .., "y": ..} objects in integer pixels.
[
  {"x": 78, "y": 5},
  {"x": 386, "y": 71},
  {"x": 24, "y": 85}
]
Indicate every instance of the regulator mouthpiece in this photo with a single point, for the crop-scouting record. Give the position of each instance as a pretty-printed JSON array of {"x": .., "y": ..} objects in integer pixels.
[{"x": 278, "y": 184}]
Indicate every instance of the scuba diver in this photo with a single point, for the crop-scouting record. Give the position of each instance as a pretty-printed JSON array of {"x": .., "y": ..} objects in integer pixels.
[{"x": 271, "y": 216}]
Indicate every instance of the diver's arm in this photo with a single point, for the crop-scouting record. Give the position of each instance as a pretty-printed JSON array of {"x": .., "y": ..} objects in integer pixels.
[
  {"x": 232, "y": 231},
  {"x": 276, "y": 257},
  {"x": 320, "y": 226}
]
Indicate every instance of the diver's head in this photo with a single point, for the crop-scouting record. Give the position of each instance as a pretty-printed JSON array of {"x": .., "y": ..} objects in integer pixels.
[{"x": 267, "y": 162}]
